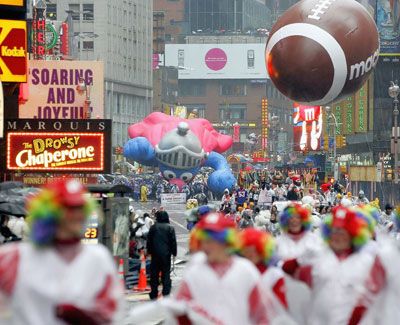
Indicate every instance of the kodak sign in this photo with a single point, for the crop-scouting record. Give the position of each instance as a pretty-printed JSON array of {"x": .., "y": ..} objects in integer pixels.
[
  {"x": 13, "y": 56},
  {"x": 16, "y": 3}
]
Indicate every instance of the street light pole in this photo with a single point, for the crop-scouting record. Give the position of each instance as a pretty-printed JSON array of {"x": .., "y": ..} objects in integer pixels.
[
  {"x": 394, "y": 92},
  {"x": 331, "y": 116}
]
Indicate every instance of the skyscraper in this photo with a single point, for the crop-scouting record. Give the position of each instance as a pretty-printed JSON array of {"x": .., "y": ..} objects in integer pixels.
[{"x": 119, "y": 33}]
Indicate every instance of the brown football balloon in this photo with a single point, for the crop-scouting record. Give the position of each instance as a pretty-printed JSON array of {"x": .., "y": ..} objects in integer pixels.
[{"x": 320, "y": 51}]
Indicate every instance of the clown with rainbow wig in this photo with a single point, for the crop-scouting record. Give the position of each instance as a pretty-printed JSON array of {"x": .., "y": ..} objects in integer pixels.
[
  {"x": 54, "y": 278},
  {"x": 259, "y": 247},
  {"x": 297, "y": 241},
  {"x": 345, "y": 279},
  {"x": 297, "y": 238},
  {"x": 222, "y": 286}
]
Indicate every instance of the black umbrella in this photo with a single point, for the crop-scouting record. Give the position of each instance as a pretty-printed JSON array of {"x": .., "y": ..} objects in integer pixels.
[
  {"x": 10, "y": 185},
  {"x": 14, "y": 209}
]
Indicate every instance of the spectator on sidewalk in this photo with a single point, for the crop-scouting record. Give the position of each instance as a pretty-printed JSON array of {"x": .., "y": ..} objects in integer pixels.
[{"x": 161, "y": 245}]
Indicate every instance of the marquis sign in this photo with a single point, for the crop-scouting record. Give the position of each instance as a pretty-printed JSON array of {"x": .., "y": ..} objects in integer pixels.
[{"x": 48, "y": 145}]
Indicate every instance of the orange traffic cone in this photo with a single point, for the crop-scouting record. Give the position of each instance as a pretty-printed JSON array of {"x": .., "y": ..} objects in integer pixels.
[
  {"x": 121, "y": 271},
  {"x": 142, "y": 284}
]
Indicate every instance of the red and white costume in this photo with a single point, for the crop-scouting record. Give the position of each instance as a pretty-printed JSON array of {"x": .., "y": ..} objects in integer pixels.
[
  {"x": 343, "y": 288},
  {"x": 298, "y": 246},
  {"x": 385, "y": 310},
  {"x": 293, "y": 246},
  {"x": 36, "y": 282},
  {"x": 273, "y": 290},
  {"x": 225, "y": 294}
]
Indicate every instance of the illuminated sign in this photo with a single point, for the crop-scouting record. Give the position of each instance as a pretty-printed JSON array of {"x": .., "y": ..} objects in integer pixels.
[
  {"x": 264, "y": 124},
  {"x": 39, "y": 33},
  {"x": 13, "y": 51},
  {"x": 91, "y": 233},
  {"x": 16, "y": 3},
  {"x": 55, "y": 151},
  {"x": 46, "y": 145},
  {"x": 308, "y": 127}
]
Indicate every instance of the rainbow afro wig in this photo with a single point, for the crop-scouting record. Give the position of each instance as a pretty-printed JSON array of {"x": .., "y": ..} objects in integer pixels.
[
  {"x": 370, "y": 214},
  {"x": 397, "y": 217},
  {"x": 217, "y": 227},
  {"x": 350, "y": 220},
  {"x": 263, "y": 242},
  {"x": 295, "y": 209},
  {"x": 45, "y": 210}
]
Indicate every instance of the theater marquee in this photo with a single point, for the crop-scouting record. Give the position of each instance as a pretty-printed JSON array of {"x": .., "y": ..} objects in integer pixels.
[{"x": 80, "y": 146}]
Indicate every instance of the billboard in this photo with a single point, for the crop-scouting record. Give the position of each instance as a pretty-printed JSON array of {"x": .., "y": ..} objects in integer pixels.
[
  {"x": 13, "y": 56},
  {"x": 53, "y": 90},
  {"x": 16, "y": 3},
  {"x": 388, "y": 22},
  {"x": 308, "y": 127},
  {"x": 217, "y": 61},
  {"x": 58, "y": 146}
]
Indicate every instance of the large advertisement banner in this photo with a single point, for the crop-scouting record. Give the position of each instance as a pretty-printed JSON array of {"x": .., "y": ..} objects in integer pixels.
[
  {"x": 388, "y": 22},
  {"x": 217, "y": 61},
  {"x": 53, "y": 146},
  {"x": 308, "y": 127},
  {"x": 13, "y": 44},
  {"x": 53, "y": 90},
  {"x": 361, "y": 109},
  {"x": 17, "y": 3}
]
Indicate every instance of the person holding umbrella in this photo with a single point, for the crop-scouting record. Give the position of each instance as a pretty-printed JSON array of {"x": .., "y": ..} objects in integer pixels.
[{"x": 55, "y": 278}]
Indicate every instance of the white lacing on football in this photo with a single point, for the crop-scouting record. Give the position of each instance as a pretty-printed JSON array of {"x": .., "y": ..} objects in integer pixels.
[{"x": 320, "y": 9}]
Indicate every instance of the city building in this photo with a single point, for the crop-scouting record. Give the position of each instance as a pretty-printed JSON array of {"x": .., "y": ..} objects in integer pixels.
[
  {"x": 167, "y": 27},
  {"x": 226, "y": 16},
  {"x": 119, "y": 33},
  {"x": 225, "y": 82},
  {"x": 170, "y": 17}
]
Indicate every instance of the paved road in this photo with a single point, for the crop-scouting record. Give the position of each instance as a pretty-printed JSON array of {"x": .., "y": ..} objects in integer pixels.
[{"x": 178, "y": 220}]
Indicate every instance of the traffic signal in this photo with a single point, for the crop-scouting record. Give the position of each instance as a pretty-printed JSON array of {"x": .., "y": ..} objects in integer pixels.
[
  {"x": 339, "y": 141},
  {"x": 326, "y": 143}
]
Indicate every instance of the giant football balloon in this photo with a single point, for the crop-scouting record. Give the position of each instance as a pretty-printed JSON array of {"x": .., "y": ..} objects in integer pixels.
[{"x": 320, "y": 51}]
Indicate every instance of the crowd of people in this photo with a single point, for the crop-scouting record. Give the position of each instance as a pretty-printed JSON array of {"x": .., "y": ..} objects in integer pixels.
[{"x": 343, "y": 272}]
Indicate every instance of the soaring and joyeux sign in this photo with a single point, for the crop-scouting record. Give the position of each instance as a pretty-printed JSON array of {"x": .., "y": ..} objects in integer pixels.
[
  {"x": 13, "y": 50},
  {"x": 53, "y": 89},
  {"x": 47, "y": 145}
]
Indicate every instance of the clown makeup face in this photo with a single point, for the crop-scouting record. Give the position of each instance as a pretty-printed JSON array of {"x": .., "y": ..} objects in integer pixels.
[
  {"x": 294, "y": 224},
  {"x": 340, "y": 240},
  {"x": 72, "y": 223},
  {"x": 251, "y": 254},
  {"x": 215, "y": 251}
]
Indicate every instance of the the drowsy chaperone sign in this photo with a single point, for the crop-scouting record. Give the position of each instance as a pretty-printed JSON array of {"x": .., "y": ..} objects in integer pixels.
[
  {"x": 35, "y": 145},
  {"x": 53, "y": 90}
]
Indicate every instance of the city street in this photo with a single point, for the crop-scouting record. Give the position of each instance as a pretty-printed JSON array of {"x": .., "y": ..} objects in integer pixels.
[
  {"x": 178, "y": 221},
  {"x": 284, "y": 113}
]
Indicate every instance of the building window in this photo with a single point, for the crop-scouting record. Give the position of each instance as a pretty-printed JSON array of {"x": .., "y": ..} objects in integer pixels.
[
  {"x": 75, "y": 11},
  {"x": 232, "y": 111},
  {"x": 88, "y": 45},
  {"x": 51, "y": 11},
  {"x": 88, "y": 11},
  {"x": 189, "y": 88},
  {"x": 232, "y": 88},
  {"x": 201, "y": 109}
]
